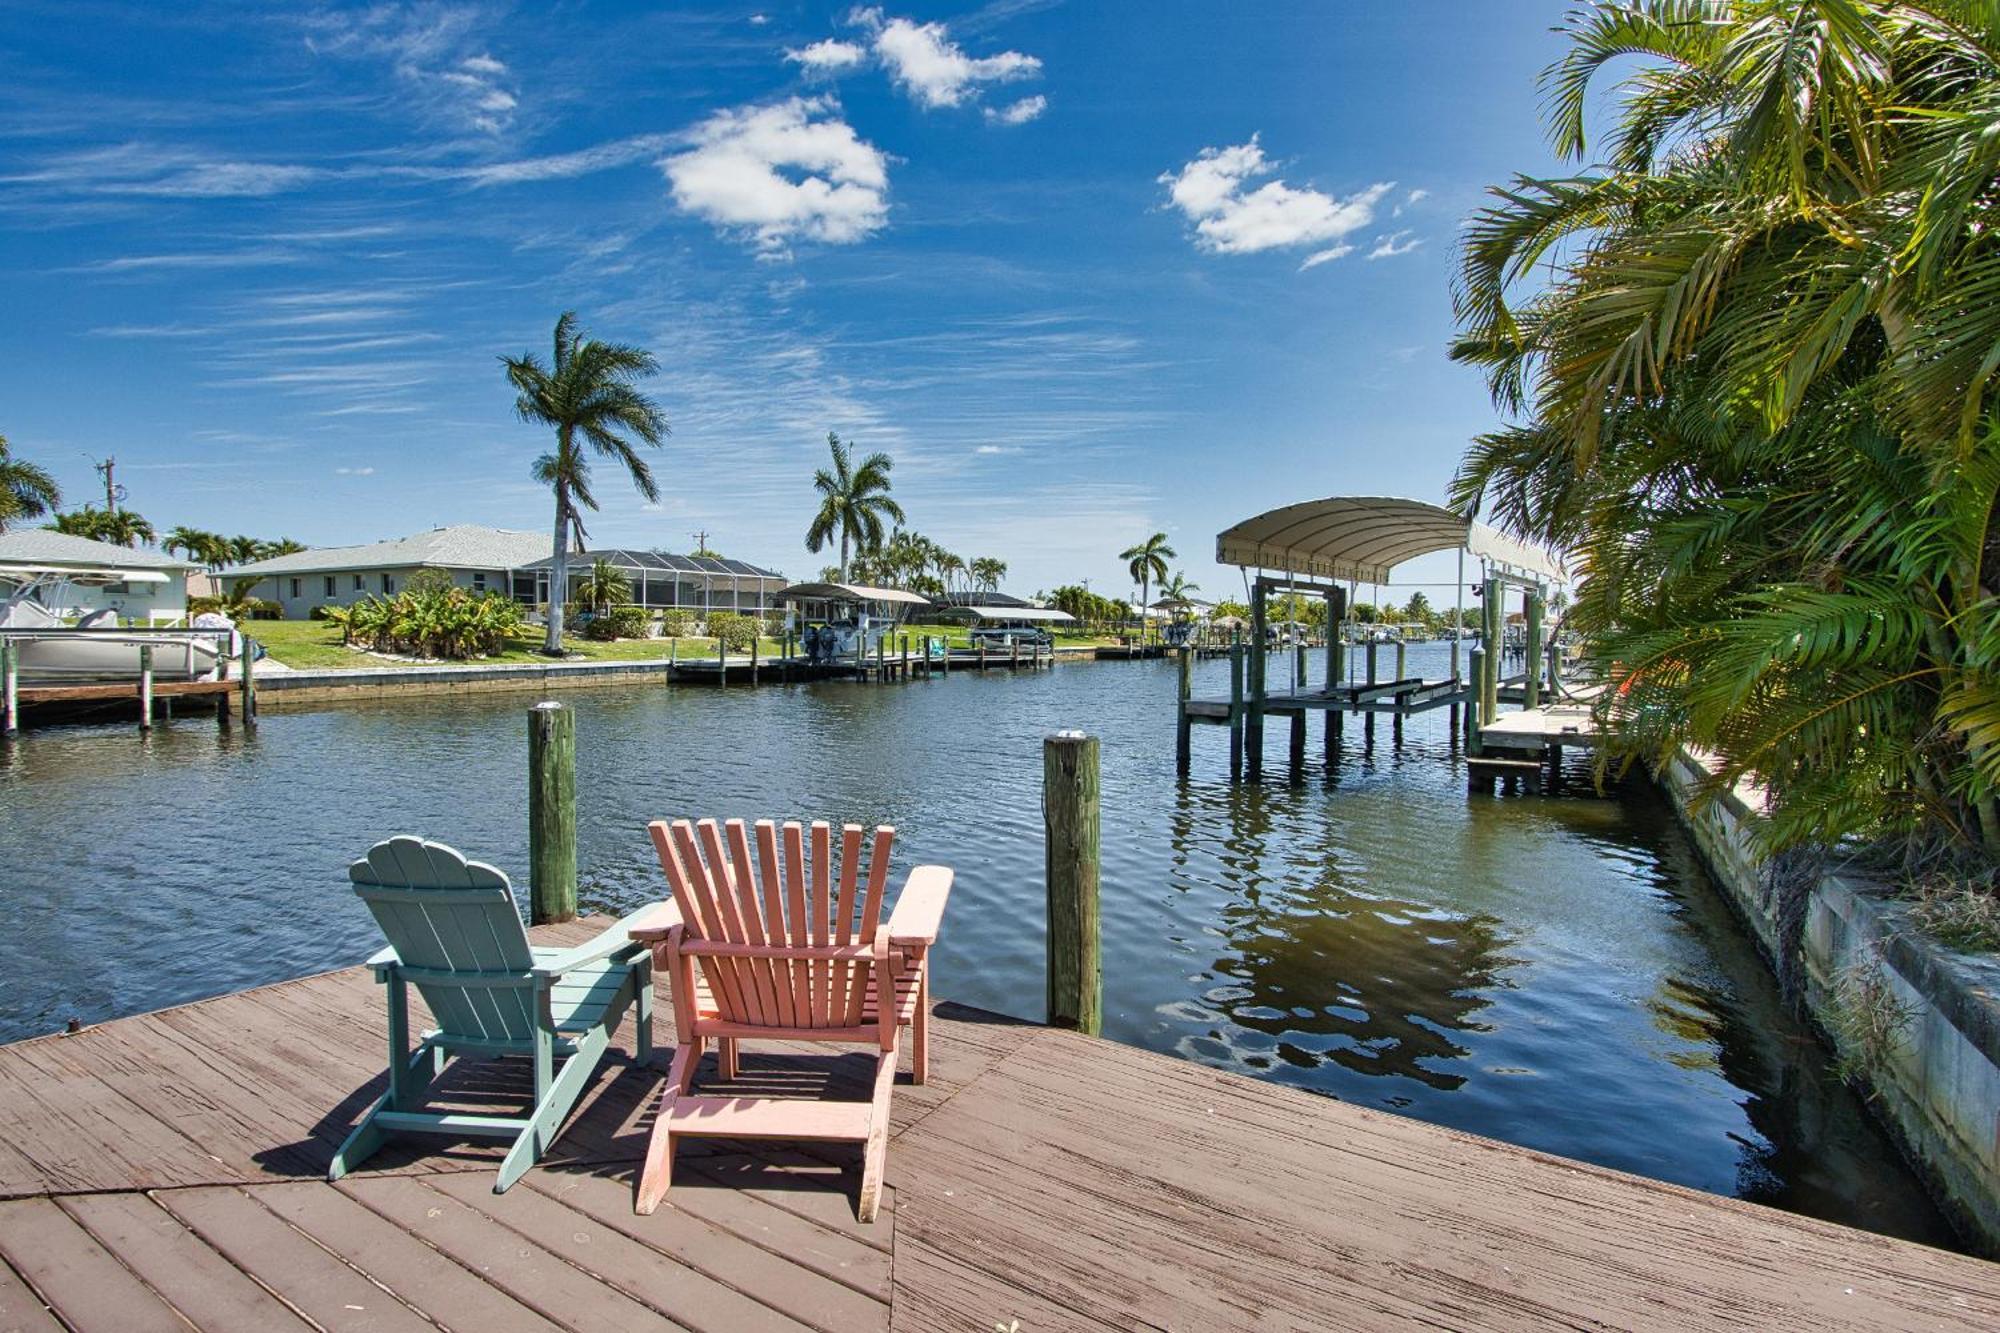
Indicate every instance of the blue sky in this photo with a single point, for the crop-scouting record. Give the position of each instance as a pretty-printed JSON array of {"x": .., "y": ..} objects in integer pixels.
[{"x": 1084, "y": 270}]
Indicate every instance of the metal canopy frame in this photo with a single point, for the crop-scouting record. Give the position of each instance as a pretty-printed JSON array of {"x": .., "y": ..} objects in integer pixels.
[{"x": 1360, "y": 538}]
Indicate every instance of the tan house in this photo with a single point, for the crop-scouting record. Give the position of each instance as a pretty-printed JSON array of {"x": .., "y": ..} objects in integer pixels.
[{"x": 479, "y": 559}]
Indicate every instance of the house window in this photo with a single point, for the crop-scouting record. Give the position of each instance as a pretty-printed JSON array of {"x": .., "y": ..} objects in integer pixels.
[
  {"x": 298, "y": 587},
  {"x": 479, "y": 580},
  {"x": 330, "y": 585},
  {"x": 388, "y": 584},
  {"x": 357, "y": 583}
]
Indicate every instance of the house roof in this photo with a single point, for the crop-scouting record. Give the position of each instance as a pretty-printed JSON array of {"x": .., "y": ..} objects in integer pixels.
[
  {"x": 660, "y": 561},
  {"x": 1363, "y": 537},
  {"x": 1024, "y": 613},
  {"x": 462, "y": 546},
  {"x": 39, "y": 546},
  {"x": 981, "y": 599}
]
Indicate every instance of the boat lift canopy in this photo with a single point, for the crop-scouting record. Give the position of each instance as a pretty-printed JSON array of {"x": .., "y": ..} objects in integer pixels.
[
  {"x": 1000, "y": 615},
  {"x": 848, "y": 592},
  {"x": 16, "y": 573},
  {"x": 1360, "y": 538}
]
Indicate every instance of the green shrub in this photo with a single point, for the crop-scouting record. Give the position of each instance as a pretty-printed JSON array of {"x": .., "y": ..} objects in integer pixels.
[
  {"x": 735, "y": 632},
  {"x": 320, "y": 612},
  {"x": 430, "y": 621},
  {"x": 634, "y": 622},
  {"x": 677, "y": 624},
  {"x": 600, "y": 629}
]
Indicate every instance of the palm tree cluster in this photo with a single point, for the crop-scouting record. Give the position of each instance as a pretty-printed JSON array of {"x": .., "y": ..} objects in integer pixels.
[
  {"x": 120, "y": 527},
  {"x": 586, "y": 395},
  {"x": 915, "y": 563},
  {"x": 1750, "y": 362},
  {"x": 1147, "y": 563},
  {"x": 27, "y": 491},
  {"x": 216, "y": 551}
]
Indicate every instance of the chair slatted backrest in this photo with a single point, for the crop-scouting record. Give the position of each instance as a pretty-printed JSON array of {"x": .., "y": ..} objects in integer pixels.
[
  {"x": 445, "y": 914},
  {"x": 785, "y": 903}
]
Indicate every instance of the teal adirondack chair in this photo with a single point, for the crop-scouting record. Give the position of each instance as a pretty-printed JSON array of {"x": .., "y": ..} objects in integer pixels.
[{"x": 454, "y": 933}]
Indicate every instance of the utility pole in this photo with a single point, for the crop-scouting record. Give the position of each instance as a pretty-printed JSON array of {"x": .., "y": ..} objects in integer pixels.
[
  {"x": 700, "y": 542},
  {"x": 112, "y": 493}
]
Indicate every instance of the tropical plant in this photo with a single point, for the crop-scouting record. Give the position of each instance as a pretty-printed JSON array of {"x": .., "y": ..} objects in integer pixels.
[
  {"x": 27, "y": 491},
  {"x": 586, "y": 395},
  {"x": 120, "y": 527},
  {"x": 854, "y": 500},
  {"x": 204, "y": 548},
  {"x": 1147, "y": 563},
  {"x": 238, "y": 601},
  {"x": 603, "y": 587},
  {"x": 1750, "y": 362},
  {"x": 732, "y": 631},
  {"x": 430, "y": 621}
]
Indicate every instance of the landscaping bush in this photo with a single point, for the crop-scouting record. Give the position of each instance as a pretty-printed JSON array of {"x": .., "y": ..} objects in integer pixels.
[
  {"x": 677, "y": 624},
  {"x": 735, "y": 632},
  {"x": 430, "y": 621},
  {"x": 624, "y": 622}
]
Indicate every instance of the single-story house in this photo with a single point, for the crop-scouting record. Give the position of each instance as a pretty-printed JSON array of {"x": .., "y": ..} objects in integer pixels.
[
  {"x": 697, "y": 583},
  {"x": 84, "y": 575},
  {"x": 479, "y": 559}
]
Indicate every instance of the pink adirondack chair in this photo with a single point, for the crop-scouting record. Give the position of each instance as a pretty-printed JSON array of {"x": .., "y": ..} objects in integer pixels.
[{"x": 766, "y": 949}]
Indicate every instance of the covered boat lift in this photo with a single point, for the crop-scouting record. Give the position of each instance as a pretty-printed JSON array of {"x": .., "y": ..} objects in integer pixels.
[{"x": 1326, "y": 548}]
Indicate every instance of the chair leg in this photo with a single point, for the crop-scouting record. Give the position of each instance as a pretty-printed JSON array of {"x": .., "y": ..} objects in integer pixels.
[
  {"x": 546, "y": 1120},
  {"x": 875, "y": 1152},
  {"x": 362, "y": 1143},
  {"x": 920, "y": 1032},
  {"x": 727, "y": 1057},
  {"x": 642, "y": 1040},
  {"x": 658, "y": 1173}
]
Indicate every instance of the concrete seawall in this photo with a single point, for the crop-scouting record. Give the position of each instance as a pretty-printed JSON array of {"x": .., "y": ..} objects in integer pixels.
[
  {"x": 1936, "y": 1084},
  {"x": 298, "y": 689}
]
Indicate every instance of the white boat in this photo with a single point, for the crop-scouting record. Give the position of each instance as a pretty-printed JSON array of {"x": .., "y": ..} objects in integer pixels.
[{"x": 95, "y": 648}]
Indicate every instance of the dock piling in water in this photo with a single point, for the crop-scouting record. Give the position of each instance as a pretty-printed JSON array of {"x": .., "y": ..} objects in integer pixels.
[
  {"x": 551, "y": 813},
  {"x": 1070, "y": 816},
  {"x": 248, "y": 682},
  {"x": 10, "y": 688},
  {"x": 145, "y": 687}
]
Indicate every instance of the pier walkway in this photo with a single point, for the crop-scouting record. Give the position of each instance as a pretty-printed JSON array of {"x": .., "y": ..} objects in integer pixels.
[{"x": 164, "y": 1171}]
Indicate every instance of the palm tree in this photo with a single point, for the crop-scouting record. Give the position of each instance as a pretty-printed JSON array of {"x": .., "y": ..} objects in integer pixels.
[
  {"x": 1176, "y": 589},
  {"x": 120, "y": 527},
  {"x": 204, "y": 548},
  {"x": 26, "y": 491},
  {"x": 1147, "y": 562},
  {"x": 1749, "y": 362},
  {"x": 987, "y": 572},
  {"x": 242, "y": 550},
  {"x": 282, "y": 546},
  {"x": 950, "y": 568},
  {"x": 853, "y": 502},
  {"x": 586, "y": 394},
  {"x": 603, "y": 587}
]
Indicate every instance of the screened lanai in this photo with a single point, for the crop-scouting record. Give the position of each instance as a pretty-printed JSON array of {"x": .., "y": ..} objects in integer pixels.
[{"x": 661, "y": 581}]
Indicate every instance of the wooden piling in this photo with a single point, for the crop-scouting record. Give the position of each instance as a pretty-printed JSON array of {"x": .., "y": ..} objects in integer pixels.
[
  {"x": 982, "y": 657},
  {"x": 1013, "y": 655},
  {"x": 145, "y": 687},
  {"x": 1531, "y": 656},
  {"x": 1478, "y": 668},
  {"x": 905, "y": 642},
  {"x": 247, "y": 683},
  {"x": 1182, "y": 727},
  {"x": 551, "y": 813},
  {"x": 753, "y": 658},
  {"x": 1235, "y": 710},
  {"x": 1298, "y": 755},
  {"x": 1493, "y": 628},
  {"x": 10, "y": 688},
  {"x": 1402, "y": 660},
  {"x": 1253, "y": 721},
  {"x": 1070, "y": 816}
]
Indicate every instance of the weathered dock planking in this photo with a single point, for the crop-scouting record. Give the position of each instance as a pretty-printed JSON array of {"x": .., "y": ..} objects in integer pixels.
[{"x": 164, "y": 1172}]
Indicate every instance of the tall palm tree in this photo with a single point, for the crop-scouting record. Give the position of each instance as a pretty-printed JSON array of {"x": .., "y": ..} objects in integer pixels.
[
  {"x": 586, "y": 394},
  {"x": 951, "y": 568},
  {"x": 204, "y": 548},
  {"x": 1147, "y": 562},
  {"x": 242, "y": 550},
  {"x": 26, "y": 491},
  {"x": 854, "y": 499}
]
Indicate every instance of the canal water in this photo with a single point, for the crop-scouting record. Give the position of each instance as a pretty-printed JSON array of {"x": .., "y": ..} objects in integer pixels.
[{"x": 1553, "y": 971}]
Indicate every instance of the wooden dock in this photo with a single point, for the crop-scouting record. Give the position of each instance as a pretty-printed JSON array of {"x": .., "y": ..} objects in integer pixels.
[{"x": 164, "y": 1171}]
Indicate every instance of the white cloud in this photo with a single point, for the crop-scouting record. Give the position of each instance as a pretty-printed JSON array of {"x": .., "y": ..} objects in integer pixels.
[
  {"x": 354, "y": 471},
  {"x": 759, "y": 20},
  {"x": 1388, "y": 247},
  {"x": 1231, "y": 219},
  {"x": 828, "y": 57},
  {"x": 788, "y": 171},
  {"x": 1417, "y": 196},
  {"x": 149, "y": 169},
  {"x": 556, "y": 166},
  {"x": 935, "y": 71},
  {"x": 1019, "y": 113}
]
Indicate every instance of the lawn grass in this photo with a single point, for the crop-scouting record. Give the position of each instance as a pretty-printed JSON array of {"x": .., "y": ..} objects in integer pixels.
[{"x": 311, "y": 645}]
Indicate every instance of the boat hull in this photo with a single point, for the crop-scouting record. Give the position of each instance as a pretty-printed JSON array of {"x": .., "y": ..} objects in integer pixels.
[{"x": 86, "y": 655}]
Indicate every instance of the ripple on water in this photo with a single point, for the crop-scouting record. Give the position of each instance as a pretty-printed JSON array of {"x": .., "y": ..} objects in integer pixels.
[{"x": 1551, "y": 971}]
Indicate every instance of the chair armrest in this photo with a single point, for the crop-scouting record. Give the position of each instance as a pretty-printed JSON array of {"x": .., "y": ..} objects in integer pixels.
[
  {"x": 920, "y": 906},
  {"x": 652, "y": 923},
  {"x": 614, "y": 940},
  {"x": 382, "y": 957}
]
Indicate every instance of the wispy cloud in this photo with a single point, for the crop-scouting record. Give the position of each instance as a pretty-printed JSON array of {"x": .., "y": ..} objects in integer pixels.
[
  {"x": 354, "y": 471},
  {"x": 192, "y": 259},
  {"x": 789, "y": 171},
  {"x": 1018, "y": 113},
  {"x": 436, "y": 51},
  {"x": 827, "y": 57},
  {"x": 1395, "y": 243},
  {"x": 1229, "y": 218},
  {"x": 161, "y": 171}
]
